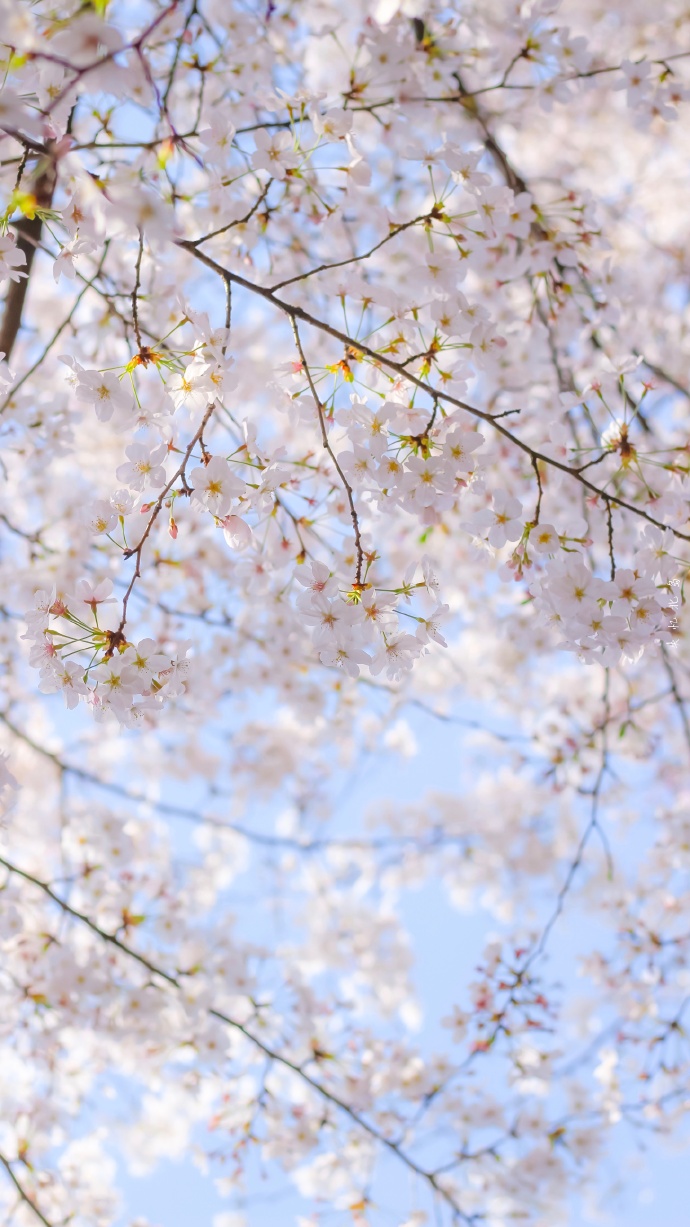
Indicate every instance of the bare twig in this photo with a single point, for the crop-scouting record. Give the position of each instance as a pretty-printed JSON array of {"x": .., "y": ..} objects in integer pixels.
[
  {"x": 273, "y": 1054},
  {"x": 24, "y": 1196},
  {"x": 135, "y": 291},
  {"x": 294, "y": 312},
  {"x": 117, "y": 637},
  {"x": 324, "y": 438}
]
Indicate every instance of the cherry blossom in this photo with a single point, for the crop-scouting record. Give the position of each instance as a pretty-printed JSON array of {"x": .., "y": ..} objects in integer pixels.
[
  {"x": 215, "y": 486},
  {"x": 11, "y": 258},
  {"x": 503, "y": 519},
  {"x": 236, "y": 531},
  {"x": 143, "y": 469},
  {"x": 104, "y": 391},
  {"x": 274, "y": 153},
  {"x": 344, "y": 527}
]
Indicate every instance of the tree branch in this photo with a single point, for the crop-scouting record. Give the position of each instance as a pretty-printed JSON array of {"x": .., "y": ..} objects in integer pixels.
[
  {"x": 173, "y": 980},
  {"x": 29, "y": 237}
]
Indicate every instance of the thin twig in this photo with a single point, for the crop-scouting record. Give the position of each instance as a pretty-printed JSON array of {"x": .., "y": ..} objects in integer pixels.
[
  {"x": 294, "y": 313},
  {"x": 609, "y": 521},
  {"x": 324, "y": 438},
  {"x": 135, "y": 291},
  {"x": 174, "y": 981},
  {"x": 23, "y": 1193},
  {"x": 117, "y": 636}
]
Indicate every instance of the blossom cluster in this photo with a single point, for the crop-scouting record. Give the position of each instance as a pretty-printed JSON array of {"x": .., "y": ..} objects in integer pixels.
[
  {"x": 343, "y": 404},
  {"x": 112, "y": 675}
]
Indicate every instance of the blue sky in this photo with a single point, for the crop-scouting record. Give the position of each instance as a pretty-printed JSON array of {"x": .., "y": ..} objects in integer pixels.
[{"x": 649, "y": 1178}]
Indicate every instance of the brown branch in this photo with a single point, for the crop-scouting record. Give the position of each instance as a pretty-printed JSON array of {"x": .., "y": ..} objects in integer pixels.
[
  {"x": 678, "y": 699},
  {"x": 24, "y": 1196},
  {"x": 663, "y": 374},
  {"x": 117, "y": 637},
  {"x": 135, "y": 291},
  {"x": 58, "y": 332},
  {"x": 298, "y": 313},
  {"x": 592, "y": 826},
  {"x": 84, "y": 71},
  {"x": 307, "y": 846},
  {"x": 273, "y": 1055},
  {"x": 29, "y": 236},
  {"x": 517, "y": 183},
  {"x": 540, "y": 491},
  {"x": 322, "y": 268},
  {"x": 609, "y": 522},
  {"x": 324, "y": 438},
  {"x": 238, "y": 221}
]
